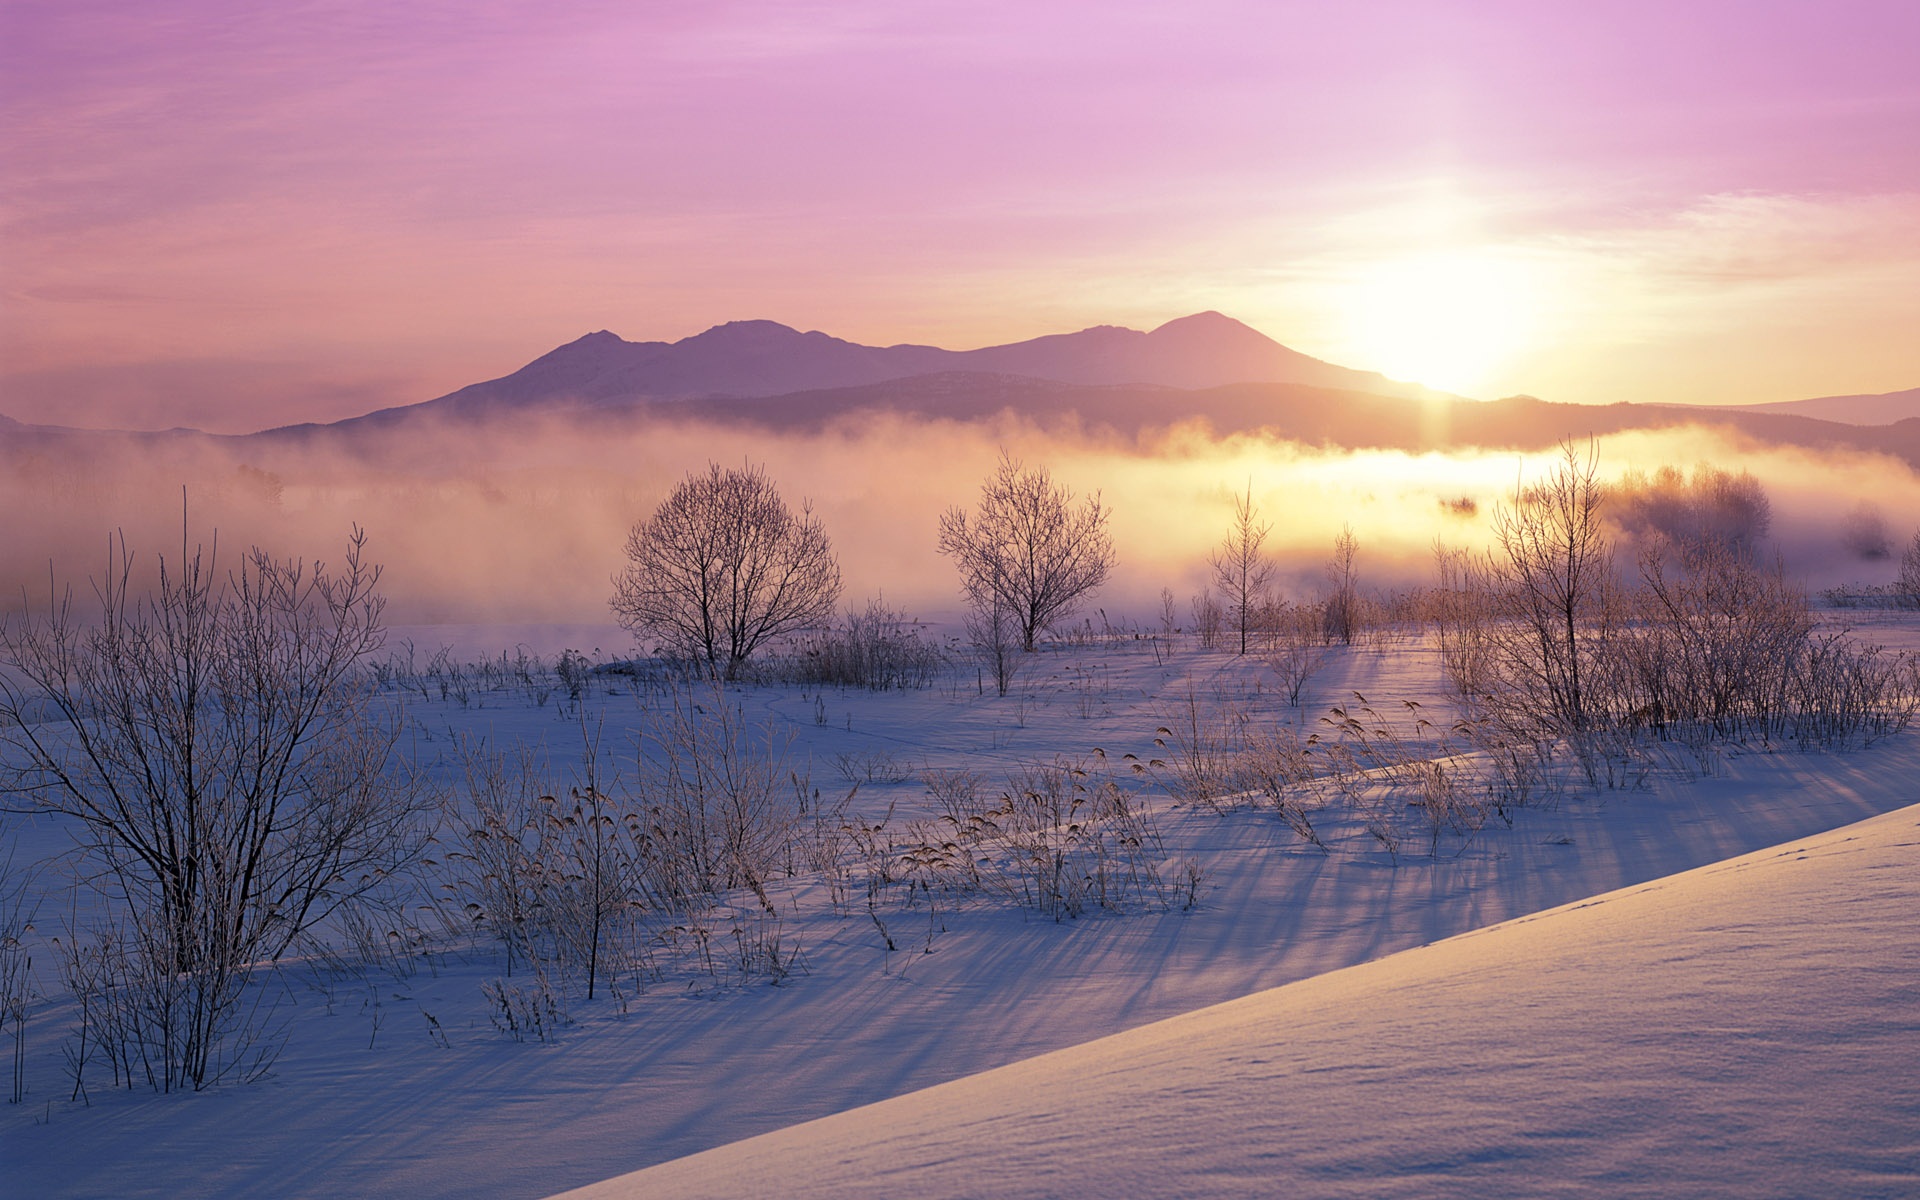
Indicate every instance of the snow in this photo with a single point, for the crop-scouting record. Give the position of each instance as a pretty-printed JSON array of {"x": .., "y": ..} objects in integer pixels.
[
  {"x": 1742, "y": 1029},
  {"x": 365, "y": 1100}
]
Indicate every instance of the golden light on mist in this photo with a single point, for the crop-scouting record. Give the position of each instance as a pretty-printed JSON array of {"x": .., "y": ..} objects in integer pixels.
[{"x": 526, "y": 524}]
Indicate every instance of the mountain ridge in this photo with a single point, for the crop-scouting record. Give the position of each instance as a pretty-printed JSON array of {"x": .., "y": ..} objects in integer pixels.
[
  {"x": 1206, "y": 366},
  {"x": 760, "y": 358},
  {"x": 1872, "y": 408}
]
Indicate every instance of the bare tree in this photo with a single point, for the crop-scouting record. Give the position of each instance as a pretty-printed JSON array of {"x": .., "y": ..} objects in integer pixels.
[
  {"x": 1552, "y": 571},
  {"x": 217, "y": 745},
  {"x": 1028, "y": 548},
  {"x": 1240, "y": 568},
  {"x": 1342, "y": 610},
  {"x": 723, "y": 565}
]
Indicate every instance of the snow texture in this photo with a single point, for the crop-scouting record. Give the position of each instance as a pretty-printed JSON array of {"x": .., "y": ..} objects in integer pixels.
[
  {"x": 1747, "y": 1029},
  {"x": 1750, "y": 1028}
]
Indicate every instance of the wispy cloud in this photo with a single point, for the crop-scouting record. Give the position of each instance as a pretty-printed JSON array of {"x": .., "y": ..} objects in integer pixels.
[{"x": 454, "y": 188}]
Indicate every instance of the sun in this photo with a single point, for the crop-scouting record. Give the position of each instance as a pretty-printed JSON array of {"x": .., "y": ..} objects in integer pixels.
[{"x": 1449, "y": 319}]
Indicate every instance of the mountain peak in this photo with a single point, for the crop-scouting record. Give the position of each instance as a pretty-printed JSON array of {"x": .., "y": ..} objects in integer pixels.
[
  {"x": 1212, "y": 326},
  {"x": 759, "y": 332},
  {"x": 1201, "y": 320}
]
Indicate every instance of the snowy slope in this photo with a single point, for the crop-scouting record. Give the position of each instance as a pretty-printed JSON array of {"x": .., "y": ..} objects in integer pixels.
[
  {"x": 1750, "y": 1028},
  {"x": 366, "y": 1102}
]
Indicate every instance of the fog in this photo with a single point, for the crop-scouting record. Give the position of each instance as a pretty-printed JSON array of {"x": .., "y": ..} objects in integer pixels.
[{"x": 523, "y": 522}]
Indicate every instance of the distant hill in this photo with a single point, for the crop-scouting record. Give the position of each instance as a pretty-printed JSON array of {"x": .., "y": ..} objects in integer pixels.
[
  {"x": 1885, "y": 408},
  {"x": 764, "y": 375},
  {"x": 754, "y": 359},
  {"x": 1332, "y": 418}
]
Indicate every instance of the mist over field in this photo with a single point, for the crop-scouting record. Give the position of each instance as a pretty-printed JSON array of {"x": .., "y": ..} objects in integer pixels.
[{"x": 523, "y": 519}]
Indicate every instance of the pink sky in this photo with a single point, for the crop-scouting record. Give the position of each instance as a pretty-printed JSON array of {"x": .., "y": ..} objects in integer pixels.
[{"x": 235, "y": 215}]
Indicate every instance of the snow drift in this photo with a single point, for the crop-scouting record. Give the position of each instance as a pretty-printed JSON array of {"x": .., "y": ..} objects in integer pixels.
[{"x": 1743, "y": 1029}]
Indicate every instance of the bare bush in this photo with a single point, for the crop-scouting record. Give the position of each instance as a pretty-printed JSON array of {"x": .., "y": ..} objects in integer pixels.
[
  {"x": 1842, "y": 693},
  {"x": 1028, "y": 553},
  {"x": 1463, "y": 609},
  {"x": 152, "y": 1025},
  {"x": 878, "y": 648},
  {"x": 1712, "y": 506},
  {"x": 1711, "y": 647},
  {"x": 872, "y": 766},
  {"x": 592, "y": 887},
  {"x": 1061, "y": 838},
  {"x": 1297, "y": 651},
  {"x": 1725, "y": 650},
  {"x": 1384, "y": 758},
  {"x": 574, "y": 671},
  {"x": 1376, "y": 766},
  {"x": 1203, "y": 745},
  {"x": 1907, "y": 585},
  {"x": 525, "y": 1010},
  {"x": 1450, "y": 804},
  {"x": 1342, "y": 613},
  {"x": 216, "y": 742},
  {"x": 994, "y": 635},
  {"x": 1716, "y": 641},
  {"x": 1207, "y": 619},
  {"x": 499, "y": 876},
  {"x": 16, "y": 969},
  {"x": 1282, "y": 769},
  {"x": 713, "y": 807},
  {"x": 1863, "y": 533},
  {"x": 722, "y": 566}
]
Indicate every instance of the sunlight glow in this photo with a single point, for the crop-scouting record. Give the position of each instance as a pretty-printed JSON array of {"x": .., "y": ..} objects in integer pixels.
[{"x": 1449, "y": 319}]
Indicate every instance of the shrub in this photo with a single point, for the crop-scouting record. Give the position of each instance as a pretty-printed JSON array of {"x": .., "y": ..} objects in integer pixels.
[
  {"x": 216, "y": 742},
  {"x": 1059, "y": 839},
  {"x": 879, "y": 649}
]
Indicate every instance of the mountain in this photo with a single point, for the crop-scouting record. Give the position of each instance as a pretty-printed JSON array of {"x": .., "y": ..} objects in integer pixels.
[
  {"x": 1885, "y": 408},
  {"x": 753, "y": 359},
  {"x": 765, "y": 375},
  {"x": 1328, "y": 418}
]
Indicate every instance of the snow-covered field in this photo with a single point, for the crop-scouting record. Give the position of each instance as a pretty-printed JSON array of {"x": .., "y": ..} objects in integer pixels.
[
  {"x": 394, "y": 1082},
  {"x": 1743, "y": 1029}
]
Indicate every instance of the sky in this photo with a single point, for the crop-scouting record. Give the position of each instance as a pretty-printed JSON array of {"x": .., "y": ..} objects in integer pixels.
[{"x": 232, "y": 216}]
